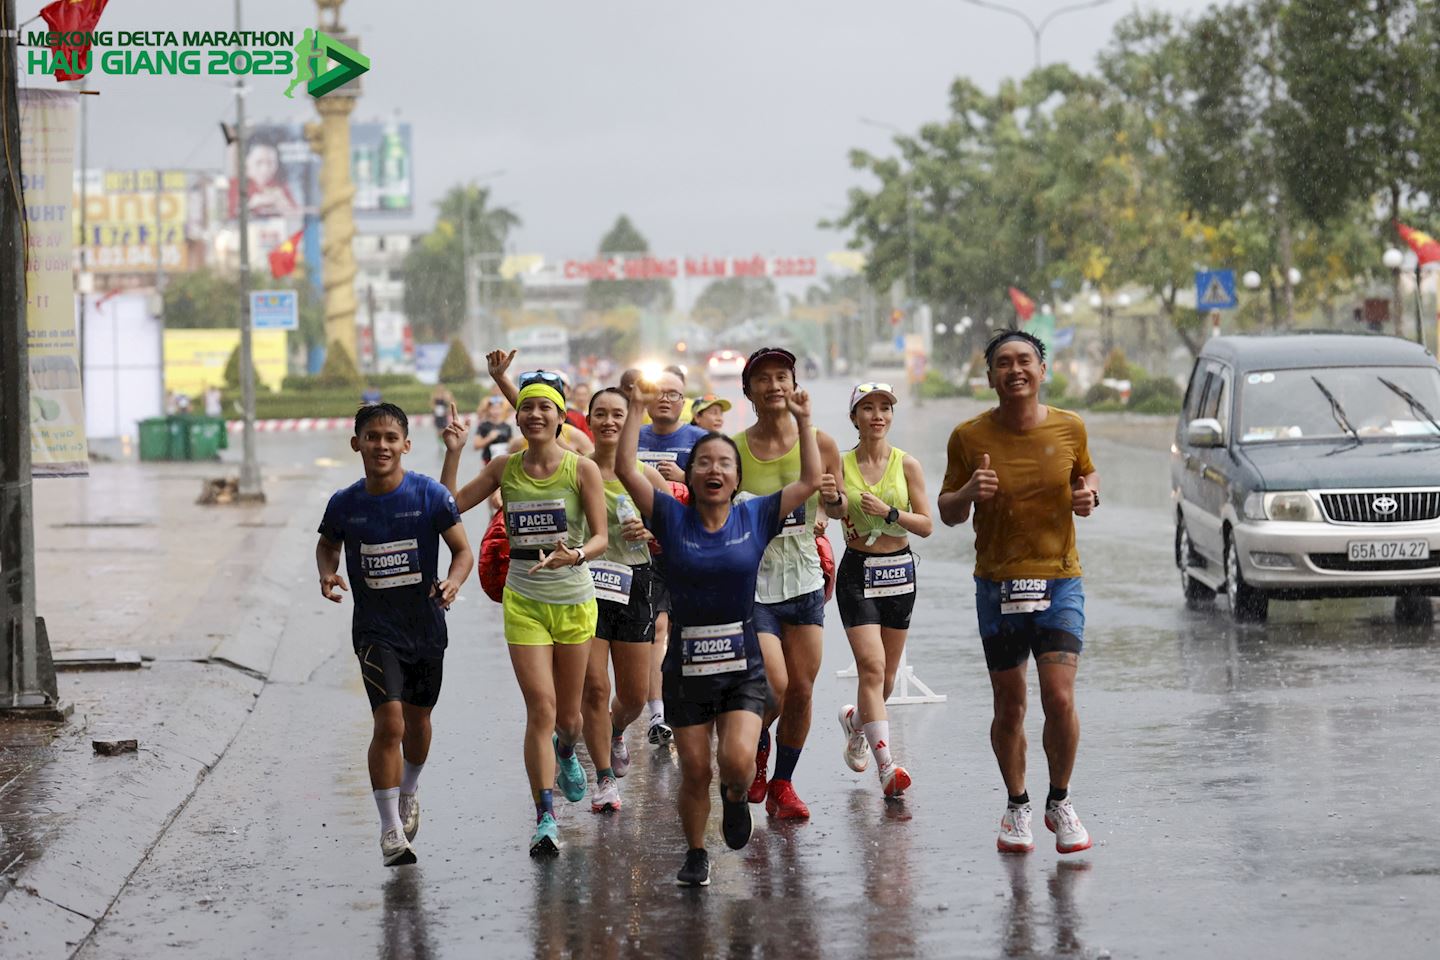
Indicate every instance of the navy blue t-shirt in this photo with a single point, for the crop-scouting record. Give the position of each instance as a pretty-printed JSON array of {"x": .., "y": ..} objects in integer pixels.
[
  {"x": 711, "y": 576},
  {"x": 392, "y": 558},
  {"x": 675, "y": 447}
]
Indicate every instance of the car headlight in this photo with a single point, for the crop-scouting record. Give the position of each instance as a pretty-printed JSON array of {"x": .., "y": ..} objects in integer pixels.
[{"x": 1293, "y": 506}]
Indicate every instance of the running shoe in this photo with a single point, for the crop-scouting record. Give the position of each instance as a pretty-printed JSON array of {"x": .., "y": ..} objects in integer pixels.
[
  {"x": 570, "y": 776},
  {"x": 660, "y": 732},
  {"x": 546, "y": 841},
  {"x": 1015, "y": 835},
  {"x": 395, "y": 849},
  {"x": 1070, "y": 834},
  {"x": 735, "y": 823},
  {"x": 410, "y": 814},
  {"x": 605, "y": 797},
  {"x": 696, "y": 872},
  {"x": 619, "y": 756},
  {"x": 783, "y": 803},
  {"x": 857, "y": 751},
  {"x": 894, "y": 781},
  {"x": 762, "y": 767}
]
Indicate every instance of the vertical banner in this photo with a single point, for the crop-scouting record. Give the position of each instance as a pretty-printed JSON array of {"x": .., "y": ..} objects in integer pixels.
[{"x": 47, "y": 164}]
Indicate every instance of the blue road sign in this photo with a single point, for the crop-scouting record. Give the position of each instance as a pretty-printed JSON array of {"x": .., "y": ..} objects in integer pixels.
[
  {"x": 274, "y": 310},
  {"x": 1215, "y": 290}
]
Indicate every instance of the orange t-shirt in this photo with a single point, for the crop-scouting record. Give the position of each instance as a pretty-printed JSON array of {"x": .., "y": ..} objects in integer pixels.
[{"x": 1027, "y": 530}]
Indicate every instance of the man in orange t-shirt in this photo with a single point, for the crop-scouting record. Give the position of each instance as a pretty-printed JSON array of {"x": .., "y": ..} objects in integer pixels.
[{"x": 1025, "y": 470}]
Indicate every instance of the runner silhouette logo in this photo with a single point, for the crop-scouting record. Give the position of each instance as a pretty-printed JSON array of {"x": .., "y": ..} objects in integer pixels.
[{"x": 316, "y": 49}]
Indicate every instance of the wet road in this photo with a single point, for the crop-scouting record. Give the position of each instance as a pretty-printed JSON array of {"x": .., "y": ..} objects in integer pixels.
[{"x": 1254, "y": 791}]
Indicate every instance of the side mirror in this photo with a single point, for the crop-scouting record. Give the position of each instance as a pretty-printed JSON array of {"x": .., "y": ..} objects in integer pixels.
[{"x": 1205, "y": 432}]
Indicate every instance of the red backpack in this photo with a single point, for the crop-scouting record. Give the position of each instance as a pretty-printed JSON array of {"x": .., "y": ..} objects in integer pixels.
[{"x": 494, "y": 563}]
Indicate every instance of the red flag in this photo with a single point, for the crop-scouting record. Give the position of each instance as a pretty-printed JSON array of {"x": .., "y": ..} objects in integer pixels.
[
  {"x": 1426, "y": 247},
  {"x": 1024, "y": 306},
  {"x": 77, "y": 16},
  {"x": 282, "y": 258}
]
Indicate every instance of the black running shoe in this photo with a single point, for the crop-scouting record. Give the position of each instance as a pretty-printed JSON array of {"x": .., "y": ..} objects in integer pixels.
[
  {"x": 735, "y": 820},
  {"x": 696, "y": 872}
]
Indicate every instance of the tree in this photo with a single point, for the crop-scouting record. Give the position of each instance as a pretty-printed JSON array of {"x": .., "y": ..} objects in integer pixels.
[
  {"x": 734, "y": 300},
  {"x": 339, "y": 369},
  {"x": 210, "y": 299},
  {"x": 457, "y": 367},
  {"x": 624, "y": 239},
  {"x": 434, "y": 268}
]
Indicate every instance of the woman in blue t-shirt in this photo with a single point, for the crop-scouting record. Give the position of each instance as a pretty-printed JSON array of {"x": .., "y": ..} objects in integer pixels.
[{"x": 714, "y": 675}]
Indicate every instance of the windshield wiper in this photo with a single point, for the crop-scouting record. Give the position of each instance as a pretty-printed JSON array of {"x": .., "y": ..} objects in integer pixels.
[
  {"x": 1336, "y": 411},
  {"x": 1415, "y": 405}
]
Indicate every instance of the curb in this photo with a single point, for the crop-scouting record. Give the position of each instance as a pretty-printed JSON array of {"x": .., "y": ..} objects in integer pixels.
[{"x": 293, "y": 425}]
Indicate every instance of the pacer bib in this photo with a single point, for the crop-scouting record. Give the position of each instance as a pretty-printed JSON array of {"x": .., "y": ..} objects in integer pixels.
[
  {"x": 793, "y": 524},
  {"x": 714, "y": 649},
  {"x": 393, "y": 564},
  {"x": 889, "y": 576},
  {"x": 535, "y": 523},
  {"x": 612, "y": 581}
]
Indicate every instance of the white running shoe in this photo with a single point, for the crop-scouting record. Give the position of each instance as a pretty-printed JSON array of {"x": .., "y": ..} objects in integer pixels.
[
  {"x": 605, "y": 797},
  {"x": 410, "y": 814},
  {"x": 1070, "y": 834},
  {"x": 894, "y": 781},
  {"x": 857, "y": 751},
  {"x": 395, "y": 849},
  {"x": 619, "y": 756},
  {"x": 1015, "y": 834}
]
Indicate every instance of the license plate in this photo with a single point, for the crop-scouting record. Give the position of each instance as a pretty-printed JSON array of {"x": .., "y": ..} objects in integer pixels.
[{"x": 1363, "y": 550}]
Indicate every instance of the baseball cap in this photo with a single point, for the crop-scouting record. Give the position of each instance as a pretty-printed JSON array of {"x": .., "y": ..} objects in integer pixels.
[
  {"x": 863, "y": 390},
  {"x": 765, "y": 353},
  {"x": 709, "y": 400}
]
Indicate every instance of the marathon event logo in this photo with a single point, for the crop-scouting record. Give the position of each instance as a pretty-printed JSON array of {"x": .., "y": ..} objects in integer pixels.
[{"x": 192, "y": 53}]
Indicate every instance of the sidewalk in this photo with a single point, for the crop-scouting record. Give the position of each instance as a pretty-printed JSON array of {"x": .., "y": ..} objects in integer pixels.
[{"x": 126, "y": 560}]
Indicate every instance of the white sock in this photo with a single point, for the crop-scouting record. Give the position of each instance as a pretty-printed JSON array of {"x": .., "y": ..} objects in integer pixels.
[
  {"x": 410, "y": 782},
  {"x": 877, "y": 732},
  {"x": 388, "y": 803},
  {"x": 657, "y": 710}
]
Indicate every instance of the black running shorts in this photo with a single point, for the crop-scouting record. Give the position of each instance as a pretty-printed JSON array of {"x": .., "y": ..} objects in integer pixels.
[
  {"x": 633, "y": 622},
  {"x": 388, "y": 678},
  {"x": 689, "y": 702},
  {"x": 892, "y": 612}
]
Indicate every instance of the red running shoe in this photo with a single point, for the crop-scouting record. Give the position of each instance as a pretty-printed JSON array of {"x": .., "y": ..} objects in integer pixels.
[
  {"x": 762, "y": 766},
  {"x": 783, "y": 803}
]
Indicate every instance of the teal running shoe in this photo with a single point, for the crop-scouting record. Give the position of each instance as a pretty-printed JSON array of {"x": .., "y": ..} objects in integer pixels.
[
  {"x": 546, "y": 841},
  {"x": 571, "y": 778}
]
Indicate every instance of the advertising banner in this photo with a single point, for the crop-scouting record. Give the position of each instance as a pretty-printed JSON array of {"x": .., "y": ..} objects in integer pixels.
[
  {"x": 195, "y": 359},
  {"x": 47, "y": 158},
  {"x": 283, "y": 174},
  {"x": 121, "y": 222}
]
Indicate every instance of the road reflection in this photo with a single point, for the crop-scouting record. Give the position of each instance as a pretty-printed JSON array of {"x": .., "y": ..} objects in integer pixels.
[
  {"x": 1028, "y": 931},
  {"x": 406, "y": 927}
]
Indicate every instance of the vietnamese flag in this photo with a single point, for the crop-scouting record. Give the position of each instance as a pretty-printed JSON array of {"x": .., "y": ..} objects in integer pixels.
[
  {"x": 1024, "y": 306},
  {"x": 1426, "y": 247},
  {"x": 282, "y": 258},
  {"x": 66, "y": 16}
]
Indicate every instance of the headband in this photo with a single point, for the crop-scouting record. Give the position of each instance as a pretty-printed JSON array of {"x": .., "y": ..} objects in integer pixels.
[
  {"x": 1023, "y": 338},
  {"x": 544, "y": 392}
]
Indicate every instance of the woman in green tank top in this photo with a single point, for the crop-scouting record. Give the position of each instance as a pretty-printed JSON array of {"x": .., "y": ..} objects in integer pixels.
[
  {"x": 554, "y": 503},
  {"x": 625, "y": 631},
  {"x": 875, "y": 584}
]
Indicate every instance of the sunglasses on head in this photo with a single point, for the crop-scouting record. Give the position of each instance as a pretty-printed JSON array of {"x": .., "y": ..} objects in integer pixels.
[
  {"x": 865, "y": 388},
  {"x": 543, "y": 376}
]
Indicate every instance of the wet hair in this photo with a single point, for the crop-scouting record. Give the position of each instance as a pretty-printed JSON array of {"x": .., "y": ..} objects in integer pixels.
[
  {"x": 1005, "y": 336},
  {"x": 380, "y": 411},
  {"x": 602, "y": 392},
  {"x": 678, "y": 370},
  {"x": 690, "y": 467}
]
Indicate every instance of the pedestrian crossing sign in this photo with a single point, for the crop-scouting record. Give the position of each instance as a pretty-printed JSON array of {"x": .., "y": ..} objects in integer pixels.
[{"x": 1215, "y": 290}]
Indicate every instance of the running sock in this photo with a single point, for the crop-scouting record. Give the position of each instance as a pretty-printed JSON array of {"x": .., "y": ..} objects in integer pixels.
[
  {"x": 1057, "y": 795},
  {"x": 785, "y": 760},
  {"x": 544, "y": 803},
  {"x": 617, "y": 733},
  {"x": 1021, "y": 800},
  {"x": 410, "y": 782},
  {"x": 602, "y": 774},
  {"x": 564, "y": 750},
  {"x": 764, "y": 739},
  {"x": 657, "y": 709},
  {"x": 877, "y": 733},
  {"x": 387, "y": 801}
]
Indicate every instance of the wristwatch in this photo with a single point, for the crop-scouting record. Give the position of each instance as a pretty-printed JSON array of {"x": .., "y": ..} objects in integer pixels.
[{"x": 893, "y": 516}]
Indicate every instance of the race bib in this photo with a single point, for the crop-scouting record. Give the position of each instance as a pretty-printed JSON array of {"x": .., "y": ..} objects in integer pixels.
[
  {"x": 793, "y": 524},
  {"x": 889, "y": 576},
  {"x": 498, "y": 448},
  {"x": 653, "y": 457},
  {"x": 394, "y": 564},
  {"x": 536, "y": 523},
  {"x": 612, "y": 581},
  {"x": 1025, "y": 596},
  {"x": 710, "y": 650}
]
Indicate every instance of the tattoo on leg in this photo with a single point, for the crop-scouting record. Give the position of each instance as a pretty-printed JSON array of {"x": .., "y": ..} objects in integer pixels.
[{"x": 1061, "y": 657}]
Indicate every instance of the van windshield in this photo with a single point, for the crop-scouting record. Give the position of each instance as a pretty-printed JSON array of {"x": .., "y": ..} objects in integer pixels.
[{"x": 1339, "y": 403}]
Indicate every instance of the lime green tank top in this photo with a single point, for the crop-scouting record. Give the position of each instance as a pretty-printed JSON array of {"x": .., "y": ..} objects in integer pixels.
[
  {"x": 620, "y": 550},
  {"x": 540, "y": 514},
  {"x": 891, "y": 489},
  {"x": 791, "y": 565}
]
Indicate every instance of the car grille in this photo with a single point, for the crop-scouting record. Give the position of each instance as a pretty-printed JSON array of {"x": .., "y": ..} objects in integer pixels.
[
  {"x": 1342, "y": 562},
  {"x": 1371, "y": 506}
]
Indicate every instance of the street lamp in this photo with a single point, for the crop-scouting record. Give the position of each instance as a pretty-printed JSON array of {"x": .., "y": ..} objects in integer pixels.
[
  {"x": 1037, "y": 30},
  {"x": 1251, "y": 280},
  {"x": 1394, "y": 260}
]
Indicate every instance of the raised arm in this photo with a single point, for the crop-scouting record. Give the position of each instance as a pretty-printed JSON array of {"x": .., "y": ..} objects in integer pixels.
[
  {"x": 499, "y": 362},
  {"x": 801, "y": 490},
  {"x": 627, "y": 466}
]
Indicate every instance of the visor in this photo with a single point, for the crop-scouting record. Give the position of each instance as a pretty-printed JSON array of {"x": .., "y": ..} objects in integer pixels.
[{"x": 863, "y": 390}]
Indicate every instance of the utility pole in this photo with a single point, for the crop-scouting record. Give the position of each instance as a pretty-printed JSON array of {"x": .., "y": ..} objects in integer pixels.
[{"x": 250, "y": 487}]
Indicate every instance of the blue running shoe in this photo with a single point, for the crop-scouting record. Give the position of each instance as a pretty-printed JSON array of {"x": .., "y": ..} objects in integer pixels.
[
  {"x": 546, "y": 841},
  {"x": 571, "y": 778}
]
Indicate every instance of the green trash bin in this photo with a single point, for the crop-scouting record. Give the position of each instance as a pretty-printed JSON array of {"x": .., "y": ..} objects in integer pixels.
[
  {"x": 155, "y": 439},
  {"x": 179, "y": 430},
  {"x": 205, "y": 435}
]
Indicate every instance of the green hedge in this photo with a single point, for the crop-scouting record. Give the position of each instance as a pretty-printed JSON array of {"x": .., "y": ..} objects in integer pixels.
[
  {"x": 414, "y": 400},
  {"x": 297, "y": 383}
]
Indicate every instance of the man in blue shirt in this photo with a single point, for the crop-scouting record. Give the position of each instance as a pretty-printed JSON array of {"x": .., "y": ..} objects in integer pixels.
[{"x": 390, "y": 525}]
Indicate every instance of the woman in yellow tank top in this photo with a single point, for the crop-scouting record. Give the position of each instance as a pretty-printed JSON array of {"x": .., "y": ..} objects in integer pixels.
[{"x": 875, "y": 585}]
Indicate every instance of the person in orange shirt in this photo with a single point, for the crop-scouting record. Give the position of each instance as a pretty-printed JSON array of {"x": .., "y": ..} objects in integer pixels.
[{"x": 1024, "y": 470}]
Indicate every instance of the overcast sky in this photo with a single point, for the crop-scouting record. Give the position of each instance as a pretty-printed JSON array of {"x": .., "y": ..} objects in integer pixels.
[{"x": 720, "y": 128}]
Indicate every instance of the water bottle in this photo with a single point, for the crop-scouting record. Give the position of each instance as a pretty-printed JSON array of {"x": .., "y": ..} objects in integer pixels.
[{"x": 625, "y": 510}]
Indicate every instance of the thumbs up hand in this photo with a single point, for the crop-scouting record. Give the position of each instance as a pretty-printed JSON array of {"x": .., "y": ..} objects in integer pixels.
[
  {"x": 984, "y": 483},
  {"x": 1083, "y": 499}
]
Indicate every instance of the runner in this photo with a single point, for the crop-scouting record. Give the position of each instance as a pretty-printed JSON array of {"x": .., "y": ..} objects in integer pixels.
[
  {"x": 492, "y": 435},
  {"x": 714, "y": 675},
  {"x": 578, "y": 397},
  {"x": 441, "y": 401},
  {"x": 390, "y": 525},
  {"x": 665, "y": 443},
  {"x": 875, "y": 585},
  {"x": 626, "y": 627},
  {"x": 708, "y": 413},
  {"x": 790, "y": 589},
  {"x": 552, "y": 498},
  {"x": 1025, "y": 468}
]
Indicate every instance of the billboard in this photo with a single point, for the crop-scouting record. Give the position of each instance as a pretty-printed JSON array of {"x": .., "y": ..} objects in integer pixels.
[
  {"x": 282, "y": 173},
  {"x": 121, "y": 221},
  {"x": 195, "y": 359}
]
